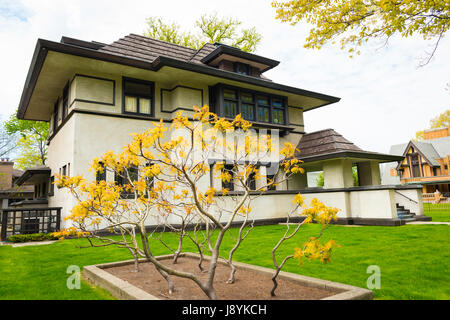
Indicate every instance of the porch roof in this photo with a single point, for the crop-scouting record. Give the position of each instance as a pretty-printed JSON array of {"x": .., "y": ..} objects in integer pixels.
[
  {"x": 33, "y": 174},
  {"x": 328, "y": 144}
]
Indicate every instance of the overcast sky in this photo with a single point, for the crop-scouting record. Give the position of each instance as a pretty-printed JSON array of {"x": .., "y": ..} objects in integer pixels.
[{"x": 385, "y": 97}]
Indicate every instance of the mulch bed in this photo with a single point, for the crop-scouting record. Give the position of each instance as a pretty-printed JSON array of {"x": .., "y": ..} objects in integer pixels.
[{"x": 249, "y": 285}]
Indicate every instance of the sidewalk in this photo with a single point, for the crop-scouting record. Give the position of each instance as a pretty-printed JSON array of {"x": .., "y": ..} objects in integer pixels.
[{"x": 428, "y": 222}]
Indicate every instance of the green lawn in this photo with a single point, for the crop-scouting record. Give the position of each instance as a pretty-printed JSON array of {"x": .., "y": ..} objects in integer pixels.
[
  {"x": 414, "y": 261},
  {"x": 439, "y": 212}
]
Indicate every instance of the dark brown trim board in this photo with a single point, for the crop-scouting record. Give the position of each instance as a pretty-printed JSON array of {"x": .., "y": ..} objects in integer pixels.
[{"x": 43, "y": 46}]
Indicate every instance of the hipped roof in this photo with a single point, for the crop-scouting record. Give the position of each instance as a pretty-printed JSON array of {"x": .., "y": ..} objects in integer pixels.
[{"x": 328, "y": 144}]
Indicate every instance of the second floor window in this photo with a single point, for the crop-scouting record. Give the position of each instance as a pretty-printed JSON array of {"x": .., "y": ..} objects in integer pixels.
[
  {"x": 252, "y": 105},
  {"x": 137, "y": 96}
]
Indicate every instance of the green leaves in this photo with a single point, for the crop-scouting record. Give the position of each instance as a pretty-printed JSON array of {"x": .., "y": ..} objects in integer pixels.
[
  {"x": 212, "y": 28},
  {"x": 355, "y": 22},
  {"x": 32, "y": 142}
]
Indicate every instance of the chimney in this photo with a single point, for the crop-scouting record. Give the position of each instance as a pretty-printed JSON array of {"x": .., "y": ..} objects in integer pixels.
[
  {"x": 6, "y": 173},
  {"x": 436, "y": 133}
]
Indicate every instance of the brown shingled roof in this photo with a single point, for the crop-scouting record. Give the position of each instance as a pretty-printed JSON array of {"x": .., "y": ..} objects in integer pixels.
[
  {"x": 323, "y": 142},
  {"x": 148, "y": 49},
  {"x": 329, "y": 144}
]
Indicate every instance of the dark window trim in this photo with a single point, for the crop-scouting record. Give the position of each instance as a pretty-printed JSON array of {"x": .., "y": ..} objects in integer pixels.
[
  {"x": 55, "y": 115},
  {"x": 51, "y": 191},
  {"x": 220, "y": 87},
  {"x": 151, "y": 97},
  {"x": 65, "y": 101},
  {"x": 100, "y": 176},
  {"x": 229, "y": 185}
]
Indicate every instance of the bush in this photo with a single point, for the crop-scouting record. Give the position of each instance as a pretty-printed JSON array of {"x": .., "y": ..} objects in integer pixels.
[{"x": 31, "y": 237}]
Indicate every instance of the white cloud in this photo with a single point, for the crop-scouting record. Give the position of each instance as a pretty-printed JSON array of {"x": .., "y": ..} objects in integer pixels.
[{"x": 385, "y": 98}]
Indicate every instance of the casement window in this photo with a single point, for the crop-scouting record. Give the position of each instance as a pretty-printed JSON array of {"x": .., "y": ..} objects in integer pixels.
[
  {"x": 230, "y": 184},
  {"x": 251, "y": 181},
  {"x": 64, "y": 170},
  {"x": 101, "y": 176},
  {"x": 242, "y": 68},
  {"x": 252, "y": 105},
  {"x": 65, "y": 101},
  {"x": 138, "y": 96},
  {"x": 270, "y": 179},
  {"x": 248, "y": 106},
  {"x": 263, "y": 108},
  {"x": 55, "y": 115},
  {"x": 123, "y": 179},
  {"x": 149, "y": 180},
  {"x": 230, "y": 103},
  {"x": 51, "y": 191},
  {"x": 278, "y": 111}
]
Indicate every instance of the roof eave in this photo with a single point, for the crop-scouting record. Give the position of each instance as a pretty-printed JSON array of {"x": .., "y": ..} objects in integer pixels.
[
  {"x": 43, "y": 46},
  {"x": 352, "y": 154}
]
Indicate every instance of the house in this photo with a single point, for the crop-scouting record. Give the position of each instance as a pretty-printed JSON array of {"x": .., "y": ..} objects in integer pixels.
[
  {"x": 94, "y": 95},
  {"x": 11, "y": 190},
  {"x": 425, "y": 162}
]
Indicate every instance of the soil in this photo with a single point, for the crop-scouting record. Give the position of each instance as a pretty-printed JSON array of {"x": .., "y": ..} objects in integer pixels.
[{"x": 249, "y": 285}]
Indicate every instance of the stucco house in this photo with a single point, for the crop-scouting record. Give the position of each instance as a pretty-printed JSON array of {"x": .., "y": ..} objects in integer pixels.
[{"x": 94, "y": 95}]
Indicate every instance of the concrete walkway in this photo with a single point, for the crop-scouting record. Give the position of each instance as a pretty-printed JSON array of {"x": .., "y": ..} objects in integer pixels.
[
  {"x": 428, "y": 222},
  {"x": 31, "y": 243}
]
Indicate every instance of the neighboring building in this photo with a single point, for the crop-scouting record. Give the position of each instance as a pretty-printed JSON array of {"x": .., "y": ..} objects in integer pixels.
[
  {"x": 425, "y": 162},
  {"x": 94, "y": 95},
  {"x": 10, "y": 190}
]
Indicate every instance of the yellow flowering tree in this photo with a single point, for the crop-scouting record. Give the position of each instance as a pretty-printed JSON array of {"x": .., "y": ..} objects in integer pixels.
[{"x": 168, "y": 176}]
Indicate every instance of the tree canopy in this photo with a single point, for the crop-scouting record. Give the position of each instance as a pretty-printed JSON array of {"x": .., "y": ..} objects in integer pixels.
[
  {"x": 211, "y": 28},
  {"x": 354, "y": 22},
  {"x": 32, "y": 141},
  {"x": 442, "y": 120}
]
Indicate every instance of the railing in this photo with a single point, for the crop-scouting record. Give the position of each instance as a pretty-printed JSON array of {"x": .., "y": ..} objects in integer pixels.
[
  {"x": 442, "y": 207},
  {"x": 406, "y": 197},
  {"x": 29, "y": 220}
]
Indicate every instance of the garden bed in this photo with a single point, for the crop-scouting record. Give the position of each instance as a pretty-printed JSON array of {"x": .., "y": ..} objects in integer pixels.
[{"x": 252, "y": 282}]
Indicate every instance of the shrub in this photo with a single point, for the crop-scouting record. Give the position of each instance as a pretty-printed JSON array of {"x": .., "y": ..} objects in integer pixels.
[{"x": 18, "y": 238}]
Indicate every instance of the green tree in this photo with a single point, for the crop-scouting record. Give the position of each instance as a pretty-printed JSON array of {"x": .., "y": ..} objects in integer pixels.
[
  {"x": 32, "y": 142},
  {"x": 320, "y": 179},
  {"x": 212, "y": 28},
  {"x": 442, "y": 120},
  {"x": 355, "y": 22}
]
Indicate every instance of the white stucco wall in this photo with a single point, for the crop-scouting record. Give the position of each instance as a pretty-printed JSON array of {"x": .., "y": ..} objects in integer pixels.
[{"x": 411, "y": 200}]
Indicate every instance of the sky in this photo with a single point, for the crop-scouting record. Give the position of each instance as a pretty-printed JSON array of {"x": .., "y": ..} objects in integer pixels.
[{"x": 385, "y": 96}]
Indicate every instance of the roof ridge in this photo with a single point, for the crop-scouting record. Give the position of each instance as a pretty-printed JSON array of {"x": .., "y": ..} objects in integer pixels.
[
  {"x": 163, "y": 41},
  {"x": 198, "y": 51}
]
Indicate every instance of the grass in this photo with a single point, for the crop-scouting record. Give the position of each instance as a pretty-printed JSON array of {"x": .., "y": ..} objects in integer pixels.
[
  {"x": 439, "y": 212},
  {"x": 413, "y": 259}
]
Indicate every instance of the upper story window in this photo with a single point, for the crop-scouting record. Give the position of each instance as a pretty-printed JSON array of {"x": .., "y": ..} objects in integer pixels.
[
  {"x": 138, "y": 96},
  {"x": 55, "y": 115},
  {"x": 242, "y": 68},
  {"x": 230, "y": 103},
  {"x": 252, "y": 105},
  {"x": 65, "y": 101}
]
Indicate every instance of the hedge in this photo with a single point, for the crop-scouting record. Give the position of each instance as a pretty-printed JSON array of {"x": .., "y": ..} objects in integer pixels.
[{"x": 32, "y": 237}]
